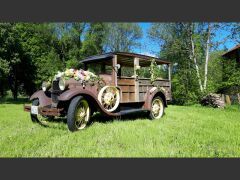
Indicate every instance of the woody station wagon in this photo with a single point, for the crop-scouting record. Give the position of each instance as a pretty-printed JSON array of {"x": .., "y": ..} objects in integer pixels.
[{"x": 113, "y": 84}]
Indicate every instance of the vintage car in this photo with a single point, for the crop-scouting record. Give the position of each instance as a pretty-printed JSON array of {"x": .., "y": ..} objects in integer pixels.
[{"x": 119, "y": 83}]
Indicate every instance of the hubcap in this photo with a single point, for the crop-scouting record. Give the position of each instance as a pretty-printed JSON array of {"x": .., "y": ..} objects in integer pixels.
[
  {"x": 157, "y": 108},
  {"x": 82, "y": 114}
]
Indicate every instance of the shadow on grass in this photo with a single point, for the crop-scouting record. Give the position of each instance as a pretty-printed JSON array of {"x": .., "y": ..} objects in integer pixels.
[{"x": 98, "y": 117}]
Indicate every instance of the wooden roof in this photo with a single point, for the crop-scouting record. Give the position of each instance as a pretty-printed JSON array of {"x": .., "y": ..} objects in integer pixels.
[
  {"x": 124, "y": 58},
  {"x": 232, "y": 53}
]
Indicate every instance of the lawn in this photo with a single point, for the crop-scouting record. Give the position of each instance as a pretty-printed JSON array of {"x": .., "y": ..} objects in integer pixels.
[{"x": 184, "y": 131}]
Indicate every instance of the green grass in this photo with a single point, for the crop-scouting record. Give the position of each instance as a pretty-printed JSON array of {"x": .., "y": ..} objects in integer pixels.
[{"x": 183, "y": 132}]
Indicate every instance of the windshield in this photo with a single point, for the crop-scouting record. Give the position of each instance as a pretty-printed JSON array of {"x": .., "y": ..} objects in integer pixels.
[{"x": 99, "y": 68}]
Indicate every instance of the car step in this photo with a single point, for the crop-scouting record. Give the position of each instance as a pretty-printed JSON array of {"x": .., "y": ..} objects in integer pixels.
[{"x": 128, "y": 111}]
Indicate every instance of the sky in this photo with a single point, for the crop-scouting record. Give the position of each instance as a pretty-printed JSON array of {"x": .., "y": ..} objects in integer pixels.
[{"x": 150, "y": 48}]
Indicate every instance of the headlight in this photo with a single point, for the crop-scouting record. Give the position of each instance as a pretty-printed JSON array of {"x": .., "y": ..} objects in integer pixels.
[
  {"x": 45, "y": 86},
  {"x": 62, "y": 84}
]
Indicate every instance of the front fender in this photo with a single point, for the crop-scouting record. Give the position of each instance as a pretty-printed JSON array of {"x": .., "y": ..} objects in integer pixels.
[
  {"x": 44, "y": 100},
  {"x": 89, "y": 93},
  {"x": 69, "y": 94}
]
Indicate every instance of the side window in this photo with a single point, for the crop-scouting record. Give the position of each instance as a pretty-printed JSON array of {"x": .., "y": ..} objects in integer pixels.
[
  {"x": 98, "y": 68},
  {"x": 163, "y": 71},
  {"x": 127, "y": 71},
  {"x": 144, "y": 72},
  {"x": 160, "y": 70}
]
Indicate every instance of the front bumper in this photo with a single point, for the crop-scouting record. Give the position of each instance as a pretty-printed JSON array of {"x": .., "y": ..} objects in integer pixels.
[{"x": 46, "y": 111}]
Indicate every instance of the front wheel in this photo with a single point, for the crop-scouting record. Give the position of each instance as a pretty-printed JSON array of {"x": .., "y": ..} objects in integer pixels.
[
  {"x": 40, "y": 119},
  {"x": 157, "y": 108},
  {"x": 79, "y": 113}
]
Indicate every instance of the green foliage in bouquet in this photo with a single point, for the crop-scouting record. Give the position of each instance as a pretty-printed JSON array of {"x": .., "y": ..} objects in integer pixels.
[{"x": 153, "y": 71}]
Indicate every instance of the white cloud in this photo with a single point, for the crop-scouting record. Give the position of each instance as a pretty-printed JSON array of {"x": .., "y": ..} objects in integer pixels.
[{"x": 149, "y": 54}]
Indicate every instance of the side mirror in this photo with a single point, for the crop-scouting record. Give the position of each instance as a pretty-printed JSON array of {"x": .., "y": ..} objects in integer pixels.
[{"x": 117, "y": 66}]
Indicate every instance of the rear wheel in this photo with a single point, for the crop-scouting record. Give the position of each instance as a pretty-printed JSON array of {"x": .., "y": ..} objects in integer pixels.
[
  {"x": 79, "y": 113},
  {"x": 157, "y": 108}
]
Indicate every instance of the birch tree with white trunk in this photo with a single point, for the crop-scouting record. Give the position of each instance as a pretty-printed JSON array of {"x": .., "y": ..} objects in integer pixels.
[
  {"x": 207, "y": 56},
  {"x": 194, "y": 57}
]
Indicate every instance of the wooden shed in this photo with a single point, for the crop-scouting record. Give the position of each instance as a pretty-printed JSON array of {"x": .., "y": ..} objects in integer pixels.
[{"x": 233, "y": 53}]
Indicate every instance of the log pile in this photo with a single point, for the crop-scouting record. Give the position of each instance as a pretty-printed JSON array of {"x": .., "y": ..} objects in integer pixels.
[{"x": 213, "y": 100}]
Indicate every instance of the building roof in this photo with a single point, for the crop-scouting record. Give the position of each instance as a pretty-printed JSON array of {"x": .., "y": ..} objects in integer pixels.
[
  {"x": 110, "y": 55},
  {"x": 232, "y": 53}
]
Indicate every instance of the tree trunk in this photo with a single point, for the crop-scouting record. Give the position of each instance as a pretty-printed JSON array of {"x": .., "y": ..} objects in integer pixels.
[
  {"x": 13, "y": 86},
  {"x": 207, "y": 57},
  {"x": 196, "y": 65}
]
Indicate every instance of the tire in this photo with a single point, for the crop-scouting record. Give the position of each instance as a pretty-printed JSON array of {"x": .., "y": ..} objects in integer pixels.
[
  {"x": 42, "y": 120},
  {"x": 156, "y": 113},
  {"x": 79, "y": 113}
]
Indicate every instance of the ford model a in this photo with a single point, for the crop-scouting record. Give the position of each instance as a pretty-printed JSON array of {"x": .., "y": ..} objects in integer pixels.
[{"x": 114, "y": 84}]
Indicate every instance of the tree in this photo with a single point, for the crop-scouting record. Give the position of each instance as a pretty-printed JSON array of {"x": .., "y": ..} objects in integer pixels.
[
  {"x": 189, "y": 46},
  {"x": 93, "y": 40},
  {"x": 122, "y": 36},
  {"x": 235, "y": 32},
  {"x": 69, "y": 42},
  {"x": 27, "y": 56},
  {"x": 11, "y": 56},
  {"x": 39, "y": 42}
]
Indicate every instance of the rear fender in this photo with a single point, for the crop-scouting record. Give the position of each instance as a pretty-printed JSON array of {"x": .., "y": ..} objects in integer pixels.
[{"x": 151, "y": 94}]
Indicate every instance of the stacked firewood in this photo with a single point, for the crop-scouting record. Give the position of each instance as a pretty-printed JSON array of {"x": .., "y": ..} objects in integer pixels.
[{"x": 213, "y": 100}]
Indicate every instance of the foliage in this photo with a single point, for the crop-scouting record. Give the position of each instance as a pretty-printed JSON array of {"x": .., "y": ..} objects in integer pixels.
[
  {"x": 174, "y": 42},
  {"x": 196, "y": 62},
  {"x": 235, "y": 32},
  {"x": 94, "y": 40},
  {"x": 122, "y": 36},
  {"x": 154, "y": 71},
  {"x": 15, "y": 65},
  {"x": 215, "y": 71}
]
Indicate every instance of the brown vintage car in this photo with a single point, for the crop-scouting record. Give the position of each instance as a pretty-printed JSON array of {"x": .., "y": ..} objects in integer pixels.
[{"x": 125, "y": 84}]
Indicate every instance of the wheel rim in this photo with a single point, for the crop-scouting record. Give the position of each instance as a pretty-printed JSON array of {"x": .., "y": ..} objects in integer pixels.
[
  {"x": 157, "y": 108},
  {"x": 82, "y": 114},
  {"x": 109, "y": 98},
  {"x": 42, "y": 119}
]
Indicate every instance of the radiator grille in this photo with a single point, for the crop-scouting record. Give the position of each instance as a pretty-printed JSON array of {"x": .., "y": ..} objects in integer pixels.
[
  {"x": 55, "y": 86},
  {"x": 55, "y": 92}
]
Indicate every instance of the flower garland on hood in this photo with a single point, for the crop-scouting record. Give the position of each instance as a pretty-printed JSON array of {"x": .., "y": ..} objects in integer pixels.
[{"x": 76, "y": 74}]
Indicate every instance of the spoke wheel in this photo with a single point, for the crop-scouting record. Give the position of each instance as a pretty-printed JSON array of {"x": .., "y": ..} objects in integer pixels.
[
  {"x": 157, "y": 108},
  {"x": 82, "y": 114},
  {"x": 42, "y": 120},
  {"x": 109, "y": 97},
  {"x": 79, "y": 113}
]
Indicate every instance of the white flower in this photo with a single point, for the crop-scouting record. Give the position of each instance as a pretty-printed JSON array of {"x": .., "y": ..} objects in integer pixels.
[
  {"x": 69, "y": 72},
  {"x": 59, "y": 74}
]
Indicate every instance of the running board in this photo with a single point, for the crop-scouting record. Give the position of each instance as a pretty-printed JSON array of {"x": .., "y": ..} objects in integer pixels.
[{"x": 124, "y": 112}]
